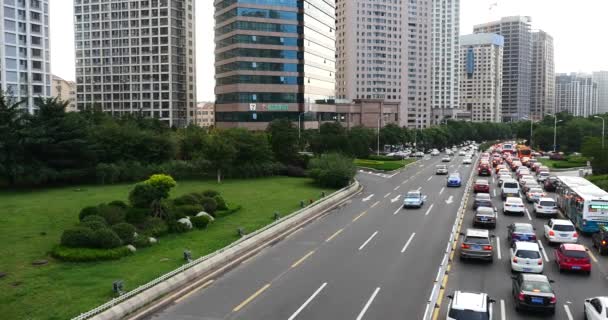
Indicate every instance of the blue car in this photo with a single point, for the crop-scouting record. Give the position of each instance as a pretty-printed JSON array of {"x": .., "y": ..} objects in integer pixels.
[
  {"x": 454, "y": 180},
  {"x": 413, "y": 199}
]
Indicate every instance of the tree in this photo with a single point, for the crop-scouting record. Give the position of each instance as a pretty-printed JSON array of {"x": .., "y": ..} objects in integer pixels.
[
  {"x": 592, "y": 147},
  {"x": 220, "y": 152},
  {"x": 283, "y": 137},
  {"x": 190, "y": 141},
  {"x": 12, "y": 123},
  {"x": 391, "y": 134},
  {"x": 359, "y": 140},
  {"x": 330, "y": 138},
  {"x": 252, "y": 147}
]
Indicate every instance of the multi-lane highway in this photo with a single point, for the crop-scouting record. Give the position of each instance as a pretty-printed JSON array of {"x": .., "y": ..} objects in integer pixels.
[
  {"x": 495, "y": 278},
  {"x": 368, "y": 259}
]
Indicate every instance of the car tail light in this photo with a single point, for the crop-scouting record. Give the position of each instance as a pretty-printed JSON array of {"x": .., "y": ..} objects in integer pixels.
[
  {"x": 465, "y": 246},
  {"x": 575, "y": 235},
  {"x": 603, "y": 242},
  {"x": 514, "y": 259},
  {"x": 521, "y": 296},
  {"x": 553, "y": 300},
  {"x": 533, "y": 237},
  {"x": 487, "y": 248},
  {"x": 551, "y": 233},
  {"x": 540, "y": 262}
]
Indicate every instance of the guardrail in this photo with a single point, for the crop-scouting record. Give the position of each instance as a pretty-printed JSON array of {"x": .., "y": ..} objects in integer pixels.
[{"x": 146, "y": 286}]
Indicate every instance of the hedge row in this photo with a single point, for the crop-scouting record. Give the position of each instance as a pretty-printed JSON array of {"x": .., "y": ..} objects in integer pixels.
[{"x": 88, "y": 254}]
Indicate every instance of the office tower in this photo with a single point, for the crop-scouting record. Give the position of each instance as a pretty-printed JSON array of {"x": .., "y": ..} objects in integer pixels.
[
  {"x": 576, "y": 93},
  {"x": 542, "y": 94},
  {"x": 66, "y": 91},
  {"x": 273, "y": 59},
  {"x": 517, "y": 58},
  {"x": 25, "y": 60},
  {"x": 384, "y": 52},
  {"x": 445, "y": 54},
  {"x": 136, "y": 57},
  {"x": 601, "y": 79},
  {"x": 481, "y": 76}
]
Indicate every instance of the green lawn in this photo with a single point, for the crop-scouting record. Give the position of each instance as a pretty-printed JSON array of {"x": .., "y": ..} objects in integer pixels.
[
  {"x": 31, "y": 222},
  {"x": 563, "y": 164},
  {"x": 388, "y": 165}
]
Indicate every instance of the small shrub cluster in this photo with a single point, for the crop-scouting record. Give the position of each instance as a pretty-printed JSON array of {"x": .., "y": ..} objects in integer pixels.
[
  {"x": 88, "y": 254},
  {"x": 332, "y": 170}
]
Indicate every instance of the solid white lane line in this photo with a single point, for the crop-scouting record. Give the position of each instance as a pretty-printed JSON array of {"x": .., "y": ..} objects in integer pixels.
[
  {"x": 367, "y": 241},
  {"x": 428, "y": 210},
  {"x": 568, "y": 313},
  {"x": 503, "y": 313},
  {"x": 494, "y": 192},
  {"x": 375, "y": 204},
  {"x": 429, "y": 179},
  {"x": 441, "y": 191},
  {"x": 295, "y": 314},
  {"x": 367, "y": 198},
  {"x": 528, "y": 213},
  {"x": 369, "y": 302},
  {"x": 542, "y": 249},
  {"x": 396, "y": 188},
  {"x": 498, "y": 248},
  {"x": 398, "y": 209},
  {"x": 418, "y": 188},
  {"x": 408, "y": 242},
  {"x": 386, "y": 195}
]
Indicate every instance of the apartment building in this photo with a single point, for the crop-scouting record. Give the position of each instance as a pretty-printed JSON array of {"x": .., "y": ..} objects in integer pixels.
[
  {"x": 576, "y": 93},
  {"x": 204, "y": 114},
  {"x": 601, "y": 79},
  {"x": 542, "y": 94},
  {"x": 66, "y": 91}
]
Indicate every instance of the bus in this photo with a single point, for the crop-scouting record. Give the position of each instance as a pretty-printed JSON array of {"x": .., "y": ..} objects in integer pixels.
[
  {"x": 584, "y": 203},
  {"x": 508, "y": 147},
  {"x": 523, "y": 151}
]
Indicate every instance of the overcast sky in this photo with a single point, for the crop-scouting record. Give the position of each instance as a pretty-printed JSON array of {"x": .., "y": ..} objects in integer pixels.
[{"x": 578, "y": 28}]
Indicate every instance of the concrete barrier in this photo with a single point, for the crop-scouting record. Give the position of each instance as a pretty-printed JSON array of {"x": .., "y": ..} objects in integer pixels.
[{"x": 215, "y": 263}]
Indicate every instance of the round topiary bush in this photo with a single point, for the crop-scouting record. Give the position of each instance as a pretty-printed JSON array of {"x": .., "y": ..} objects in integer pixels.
[
  {"x": 125, "y": 231},
  {"x": 94, "y": 224},
  {"x": 143, "y": 194},
  {"x": 188, "y": 210},
  {"x": 94, "y": 218},
  {"x": 221, "y": 203},
  {"x": 119, "y": 203},
  {"x": 210, "y": 193},
  {"x": 155, "y": 226},
  {"x": 106, "y": 239},
  {"x": 136, "y": 215},
  {"x": 178, "y": 227},
  {"x": 187, "y": 199},
  {"x": 200, "y": 222},
  {"x": 209, "y": 205},
  {"x": 87, "y": 211},
  {"x": 141, "y": 242},
  {"x": 77, "y": 237},
  {"x": 112, "y": 214}
]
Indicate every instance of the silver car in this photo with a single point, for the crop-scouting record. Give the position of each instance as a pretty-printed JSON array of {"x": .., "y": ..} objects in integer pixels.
[{"x": 477, "y": 244}]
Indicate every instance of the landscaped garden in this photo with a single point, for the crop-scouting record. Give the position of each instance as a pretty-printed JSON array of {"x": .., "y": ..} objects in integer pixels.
[
  {"x": 568, "y": 162},
  {"x": 32, "y": 223}
]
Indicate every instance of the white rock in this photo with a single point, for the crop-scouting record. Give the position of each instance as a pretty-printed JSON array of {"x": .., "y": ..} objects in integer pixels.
[
  {"x": 152, "y": 240},
  {"x": 203, "y": 213},
  {"x": 131, "y": 248},
  {"x": 185, "y": 221}
]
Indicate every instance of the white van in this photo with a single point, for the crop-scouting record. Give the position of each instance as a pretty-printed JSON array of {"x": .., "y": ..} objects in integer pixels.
[{"x": 509, "y": 188}]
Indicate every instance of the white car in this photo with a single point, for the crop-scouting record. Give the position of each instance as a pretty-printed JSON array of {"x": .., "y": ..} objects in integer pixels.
[
  {"x": 446, "y": 159},
  {"x": 596, "y": 308},
  {"x": 526, "y": 257},
  {"x": 435, "y": 152},
  {"x": 419, "y": 154},
  {"x": 503, "y": 177},
  {"x": 560, "y": 231},
  {"x": 467, "y": 161},
  {"x": 534, "y": 194},
  {"x": 504, "y": 171},
  {"x": 545, "y": 207},
  {"x": 509, "y": 188},
  {"x": 514, "y": 205},
  {"x": 462, "y": 153},
  {"x": 542, "y": 176},
  {"x": 469, "y": 305}
]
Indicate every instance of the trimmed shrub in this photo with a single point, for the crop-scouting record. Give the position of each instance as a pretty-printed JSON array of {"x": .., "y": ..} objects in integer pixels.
[
  {"x": 88, "y": 254},
  {"x": 200, "y": 222},
  {"x": 187, "y": 199},
  {"x": 77, "y": 237},
  {"x": 332, "y": 170},
  {"x": 210, "y": 193},
  {"x": 187, "y": 210},
  {"x": 154, "y": 226},
  {"x": 141, "y": 242},
  {"x": 112, "y": 214},
  {"x": 94, "y": 218},
  {"x": 209, "y": 205},
  {"x": 106, "y": 239},
  {"x": 177, "y": 227},
  {"x": 136, "y": 215},
  {"x": 221, "y": 203},
  {"x": 88, "y": 211},
  {"x": 119, "y": 203},
  {"x": 198, "y": 196},
  {"x": 228, "y": 212},
  {"x": 295, "y": 171},
  {"x": 142, "y": 195},
  {"x": 93, "y": 224},
  {"x": 125, "y": 231}
]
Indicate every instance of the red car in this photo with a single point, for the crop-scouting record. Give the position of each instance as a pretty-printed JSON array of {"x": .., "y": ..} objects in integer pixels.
[
  {"x": 481, "y": 185},
  {"x": 571, "y": 256}
]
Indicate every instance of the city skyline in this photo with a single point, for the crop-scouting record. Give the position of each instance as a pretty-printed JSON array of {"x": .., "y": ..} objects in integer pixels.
[{"x": 568, "y": 43}]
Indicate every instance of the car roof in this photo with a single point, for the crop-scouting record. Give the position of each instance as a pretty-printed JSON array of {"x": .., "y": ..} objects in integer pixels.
[
  {"x": 483, "y": 196},
  {"x": 535, "y": 277},
  {"x": 573, "y": 247},
  {"x": 455, "y": 174},
  {"x": 510, "y": 180},
  {"x": 477, "y": 233},
  {"x": 546, "y": 199},
  {"x": 513, "y": 199},
  {"x": 473, "y": 301},
  {"x": 488, "y": 209},
  {"x": 525, "y": 245},
  {"x": 562, "y": 222},
  {"x": 413, "y": 192},
  {"x": 482, "y": 181}
]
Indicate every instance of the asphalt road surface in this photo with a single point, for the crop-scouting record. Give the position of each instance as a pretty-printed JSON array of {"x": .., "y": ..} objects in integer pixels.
[{"x": 368, "y": 259}]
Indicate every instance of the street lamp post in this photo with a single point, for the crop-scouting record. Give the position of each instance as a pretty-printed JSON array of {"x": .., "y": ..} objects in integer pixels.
[
  {"x": 603, "y": 128},
  {"x": 378, "y": 139},
  {"x": 555, "y": 132}
]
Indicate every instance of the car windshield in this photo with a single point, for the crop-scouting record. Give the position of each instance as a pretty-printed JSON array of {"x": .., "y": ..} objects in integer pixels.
[
  {"x": 481, "y": 182},
  {"x": 536, "y": 286},
  {"x": 563, "y": 227},
  {"x": 510, "y": 185},
  {"x": 482, "y": 196},
  {"x": 454, "y": 176},
  {"x": 523, "y": 228},
  {"x": 485, "y": 211},
  {"x": 547, "y": 203},
  {"x": 576, "y": 254},
  {"x": 527, "y": 254},
  {"x": 515, "y": 201},
  {"x": 468, "y": 315},
  {"x": 536, "y": 190},
  {"x": 441, "y": 167},
  {"x": 477, "y": 240}
]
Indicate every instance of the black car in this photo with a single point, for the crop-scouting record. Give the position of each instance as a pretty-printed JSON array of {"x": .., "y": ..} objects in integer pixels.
[
  {"x": 485, "y": 217},
  {"x": 600, "y": 240},
  {"x": 482, "y": 200},
  {"x": 550, "y": 184},
  {"x": 533, "y": 292}
]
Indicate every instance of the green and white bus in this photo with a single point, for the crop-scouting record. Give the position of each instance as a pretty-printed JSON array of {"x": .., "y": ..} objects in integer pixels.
[{"x": 584, "y": 203}]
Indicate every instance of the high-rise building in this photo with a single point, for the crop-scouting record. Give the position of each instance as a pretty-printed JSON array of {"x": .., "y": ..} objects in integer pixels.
[
  {"x": 204, "y": 115},
  {"x": 517, "y": 60},
  {"x": 481, "y": 76},
  {"x": 542, "y": 94},
  {"x": 273, "y": 59},
  {"x": 601, "y": 79},
  {"x": 445, "y": 54},
  {"x": 25, "y": 60},
  {"x": 384, "y": 52},
  {"x": 136, "y": 57},
  {"x": 66, "y": 91},
  {"x": 576, "y": 93}
]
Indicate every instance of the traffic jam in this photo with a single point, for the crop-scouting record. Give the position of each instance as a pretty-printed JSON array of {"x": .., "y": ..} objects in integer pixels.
[{"x": 552, "y": 229}]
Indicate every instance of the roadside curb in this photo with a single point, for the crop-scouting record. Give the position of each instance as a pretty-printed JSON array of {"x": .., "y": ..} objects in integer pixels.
[{"x": 187, "y": 277}]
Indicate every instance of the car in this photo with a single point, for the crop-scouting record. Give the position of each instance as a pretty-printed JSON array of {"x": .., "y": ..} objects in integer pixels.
[
  {"x": 500, "y": 167},
  {"x": 482, "y": 200},
  {"x": 600, "y": 240},
  {"x": 446, "y": 159},
  {"x": 509, "y": 188},
  {"x": 477, "y": 244},
  {"x": 454, "y": 180},
  {"x": 413, "y": 199},
  {"x": 504, "y": 171},
  {"x": 526, "y": 185},
  {"x": 419, "y": 154},
  {"x": 435, "y": 152},
  {"x": 596, "y": 308},
  {"x": 542, "y": 176},
  {"x": 526, "y": 257},
  {"x": 461, "y": 153},
  {"x": 519, "y": 231},
  {"x": 485, "y": 217},
  {"x": 545, "y": 207},
  {"x": 484, "y": 169},
  {"x": 513, "y": 205},
  {"x": 481, "y": 185},
  {"x": 441, "y": 169},
  {"x": 469, "y": 305},
  {"x": 535, "y": 166},
  {"x": 550, "y": 184},
  {"x": 560, "y": 231},
  {"x": 543, "y": 168},
  {"x": 556, "y": 156},
  {"x": 467, "y": 160},
  {"x": 502, "y": 177},
  {"x": 574, "y": 257},
  {"x": 522, "y": 171},
  {"x": 533, "y": 292},
  {"x": 521, "y": 178},
  {"x": 534, "y": 194}
]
